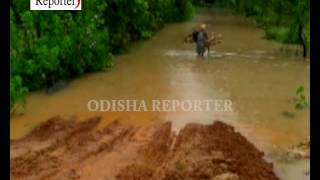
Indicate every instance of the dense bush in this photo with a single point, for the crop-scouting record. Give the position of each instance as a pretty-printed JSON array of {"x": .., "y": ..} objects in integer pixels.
[
  {"x": 17, "y": 91},
  {"x": 129, "y": 20},
  {"x": 47, "y": 46}
]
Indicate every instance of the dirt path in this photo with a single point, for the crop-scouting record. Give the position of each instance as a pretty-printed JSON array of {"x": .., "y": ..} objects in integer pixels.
[{"x": 60, "y": 149}]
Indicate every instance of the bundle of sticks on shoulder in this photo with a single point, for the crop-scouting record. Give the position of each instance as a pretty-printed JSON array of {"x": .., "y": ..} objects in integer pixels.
[{"x": 212, "y": 40}]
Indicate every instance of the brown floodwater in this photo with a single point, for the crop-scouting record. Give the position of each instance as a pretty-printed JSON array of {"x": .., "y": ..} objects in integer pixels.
[{"x": 252, "y": 72}]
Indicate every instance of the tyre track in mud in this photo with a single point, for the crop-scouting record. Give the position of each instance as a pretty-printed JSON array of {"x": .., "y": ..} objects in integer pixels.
[{"x": 70, "y": 149}]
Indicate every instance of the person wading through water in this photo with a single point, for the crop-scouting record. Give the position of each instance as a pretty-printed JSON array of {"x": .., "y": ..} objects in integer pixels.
[{"x": 201, "y": 38}]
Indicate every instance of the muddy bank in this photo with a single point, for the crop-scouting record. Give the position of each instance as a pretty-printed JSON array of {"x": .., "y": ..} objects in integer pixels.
[
  {"x": 295, "y": 152},
  {"x": 60, "y": 149}
]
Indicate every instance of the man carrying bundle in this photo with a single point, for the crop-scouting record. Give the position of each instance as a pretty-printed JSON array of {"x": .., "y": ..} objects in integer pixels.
[
  {"x": 202, "y": 38},
  {"x": 203, "y": 41}
]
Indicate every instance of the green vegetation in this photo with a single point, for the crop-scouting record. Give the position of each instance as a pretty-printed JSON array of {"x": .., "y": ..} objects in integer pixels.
[
  {"x": 47, "y": 46},
  {"x": 287, "y": 21},
  {"x": 17, "y": 91},
  {"x": 301, "y": 100}
]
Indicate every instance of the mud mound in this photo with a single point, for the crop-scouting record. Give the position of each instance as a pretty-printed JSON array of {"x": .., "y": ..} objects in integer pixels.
[{"x": 60, "y": 149}]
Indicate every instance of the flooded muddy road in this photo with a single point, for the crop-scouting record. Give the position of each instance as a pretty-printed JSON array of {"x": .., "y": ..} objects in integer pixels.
[{"x": 251, "y": 71}]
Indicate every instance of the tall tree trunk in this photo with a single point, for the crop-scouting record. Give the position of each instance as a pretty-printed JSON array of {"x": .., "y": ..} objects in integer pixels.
[{"x": 302, "y": 40}]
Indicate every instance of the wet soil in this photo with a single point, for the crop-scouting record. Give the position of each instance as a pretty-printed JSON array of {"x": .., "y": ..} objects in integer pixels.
[{"x": 72, "y": 149}]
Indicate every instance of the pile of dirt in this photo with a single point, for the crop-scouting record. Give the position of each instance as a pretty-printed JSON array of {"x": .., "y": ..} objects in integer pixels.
[{"x": 71, "y": 149}]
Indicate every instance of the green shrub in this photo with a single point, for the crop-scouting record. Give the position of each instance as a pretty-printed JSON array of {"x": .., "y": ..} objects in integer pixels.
[
  {"x": 17, "y": 91},
  {"x": 301, "y": 100},
  {"x": 278, "y": 33}
]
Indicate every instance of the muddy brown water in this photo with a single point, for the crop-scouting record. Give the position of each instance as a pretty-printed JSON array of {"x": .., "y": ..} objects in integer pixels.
[{"x": 259, "y": 79}]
